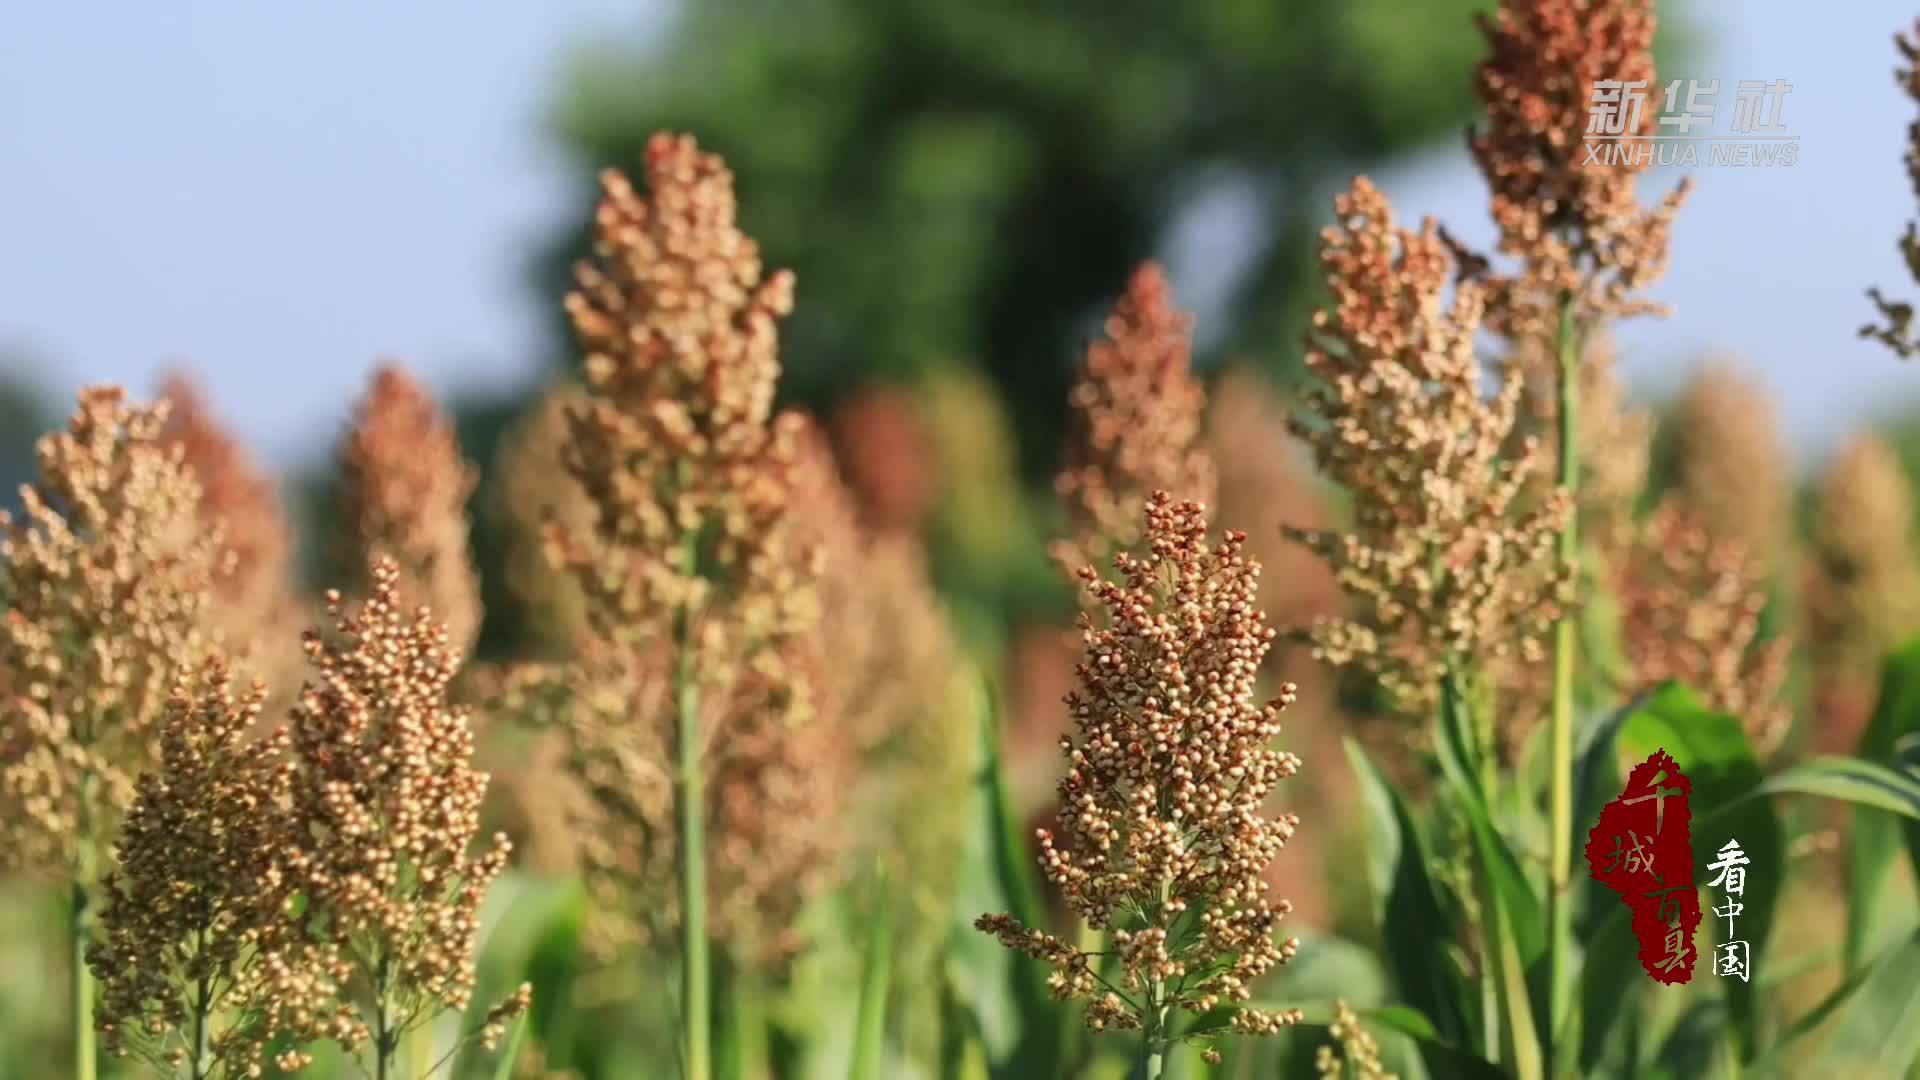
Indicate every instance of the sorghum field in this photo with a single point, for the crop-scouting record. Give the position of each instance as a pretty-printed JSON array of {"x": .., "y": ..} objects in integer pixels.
[{"x": 1328, "y": 779}]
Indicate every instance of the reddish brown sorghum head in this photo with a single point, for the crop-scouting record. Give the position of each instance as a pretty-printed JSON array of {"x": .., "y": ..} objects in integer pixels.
[
  {"x": 1566, "y": 204},
  {"x": 403, "y": 495},
  {"x": 1443, "y": 560},
  {"x": 255, "y": 610},
  {"x": 194, "y": 933},
  {"x": 1863, "y": 587},
  {"x": 886, "y": 451},
  {"x": 107, "y": 578},
  {"x": 1137, "y": 412},
  {"x": 1164, "y": 832},
  {"x": 1896, "y": 329},
  {"x": 1690, "y": 607},
  {"x": 531, "y": 488},
  {"x": 386, "y": 805},
  {"x": 1731, "y": 467}
]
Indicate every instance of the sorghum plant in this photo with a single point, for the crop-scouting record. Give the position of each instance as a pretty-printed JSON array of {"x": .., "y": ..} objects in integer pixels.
[
  {"x": 385, "y": 810},
  {"x": 1138, "y": 412},
  {"x": 1585, "y": 248},
  {"x": 1730, "y": 461},
  {"x": 1896, "y": 329},
  {"x": 106, "y": 578},
  {"x": 691, "y": 558},
  {"x": 1163, "y": 808},
  {"x": 403, "y": 496},
  {"x": 531, "y": 487},
  {"x": 1443, "y": 564},
  {"x": 197, "y": 924}
]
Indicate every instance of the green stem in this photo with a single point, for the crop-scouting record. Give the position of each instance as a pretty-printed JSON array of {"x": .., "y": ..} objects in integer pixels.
[
  {"x": 386, "y": 1041},
  {"x": 695, "y": 999},
  {"x": 1153, "y": 1048},
  {"x": 85, "y": 1060},
  {"x": 202, "y": 1012},
  {"x": 1559, "y": 908}
]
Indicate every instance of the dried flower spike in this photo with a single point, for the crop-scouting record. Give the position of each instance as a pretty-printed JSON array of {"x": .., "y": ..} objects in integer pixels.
[
  {"x": 1444, "y": 562},
  {"x": 1896, "y": 330},
  {"x": 1163, "y": 809},
  {"x": 387, "y": 807},
  {"x": 403, "y": 495},
  {"x": 1138, "y": 413},
  {"x": 106, "y": 579},
  {"x": 196, "y": 921}
]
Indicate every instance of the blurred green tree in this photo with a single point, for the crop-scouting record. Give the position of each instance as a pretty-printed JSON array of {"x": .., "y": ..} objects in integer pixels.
[{"x": 975, "y": 180}]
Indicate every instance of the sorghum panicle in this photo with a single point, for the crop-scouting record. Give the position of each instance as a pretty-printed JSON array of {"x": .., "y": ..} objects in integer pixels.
[
  {"x": 532, "y": 488},
  {"x": 1731, "y": 462},
  {"x": 255, "y": 607},
  {"x": 1443, "y": 559},
  {"x": 1863, "y": 585},
  {"x": 1690, "y": 605},
  {"x": 403, "y": 495},
  {"x": 886, "y": 451},
  {"x": 1896, "y": 330},
  {"x": 107, "y": 577},
  {"x": 1572, "y": 219},
  {"x": 1138, "y": 412},
  {"x": 387, "y": 807},
  {"x": 1164, "y": 834},
  {"x": 196, "y": 916},
  {"x": 1358, "y": 1055}
]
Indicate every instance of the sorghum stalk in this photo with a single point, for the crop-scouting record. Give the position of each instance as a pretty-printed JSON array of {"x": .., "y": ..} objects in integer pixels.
[
  {"x": 694, "y": 982},
  {"x": 84, "y": 1057},
  {"x": 1560, "y": 737}
]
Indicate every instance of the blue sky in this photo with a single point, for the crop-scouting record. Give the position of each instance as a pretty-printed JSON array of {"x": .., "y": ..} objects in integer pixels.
[{"x": 282, "y": 199}]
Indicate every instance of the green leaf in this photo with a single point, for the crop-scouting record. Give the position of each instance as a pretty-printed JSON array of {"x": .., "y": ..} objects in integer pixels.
[
  {"x": 510, "y": 1053},
  {"x": 1017, "y": 1019},
  {"x": 1870, "y": 1027},
  {"x": 870, "y": 1031},
  {"x": 1712, "y": 749},
  {"x": 1875, "y": 836},
  {"x": 1849, "y": 779},
  {"x": 1411, "y": 916}
]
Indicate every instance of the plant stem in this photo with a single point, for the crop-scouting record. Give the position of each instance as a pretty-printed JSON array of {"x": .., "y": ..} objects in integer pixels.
[
  {"x": 695, "y": 992},
  {"x": 85, "y": 1061},
  {"x": 202, "y": 1012},
  {"x": 1153, "y": 1048},
  {"x": 1559, "y": 910},
  {"x": 386, "y": 1041}
]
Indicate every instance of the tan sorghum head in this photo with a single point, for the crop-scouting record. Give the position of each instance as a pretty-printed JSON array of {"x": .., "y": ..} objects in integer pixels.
[
  {"x": 255, "y": 609},
  {"x": 1862, "y": 593},
  {"x": 107, "y": 577},
  {"x": 1690, "y": 605},
  {"x": 532, "y": 487},
  {"x": 1358, "y": 1055},
  {"x": 1730, "y": 462},
  {"x": 1443, "y": 560},
  {"x": 1137, "y": 412},
  {"x": 197, "y": 919},
  {"x": 1164, "y": 827},
  {"x": 678, "y": 447},
  {"x": 403, "y": 496},
  {"x": 1896, "y": 329},
  {"x": 1573, "y": 220},
  {"x": 387, "y": 806}
]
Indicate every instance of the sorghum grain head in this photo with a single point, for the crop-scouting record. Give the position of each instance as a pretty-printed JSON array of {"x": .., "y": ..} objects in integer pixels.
[
  {"x": 1444, "y": 561},
  {"x": 1730, "y": 460},
  {"x": 1164, "y": 832},
  {"x": 1137, "y": 413},
  {"x": 1896, "y": 329},
  {"x": 533, "y": 489},
  {"x": 107, "y": 578},
  {"x": 403, "y": 496}
]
